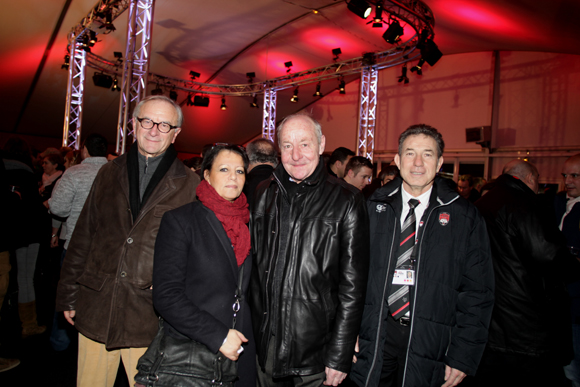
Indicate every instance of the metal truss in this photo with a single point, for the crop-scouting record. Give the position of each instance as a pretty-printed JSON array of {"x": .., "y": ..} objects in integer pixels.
[
  {"x": 74, "y": 96},
  {"x": 135, "y": 66},
  {"x": 269, "y": 117},
  {"x": 98, "y": 14},
  {"x": 367, "y": 114}
]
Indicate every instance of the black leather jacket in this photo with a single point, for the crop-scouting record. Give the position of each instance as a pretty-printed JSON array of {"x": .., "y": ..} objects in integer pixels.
[
  {"x": 531, "y": 264},
  {"x": 324, "y": 278}
]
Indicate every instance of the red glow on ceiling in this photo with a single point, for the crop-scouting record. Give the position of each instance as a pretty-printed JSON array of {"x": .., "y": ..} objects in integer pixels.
[
  {"x": 275, "y": 63},
  {"x": 21, "y": 63},
  {"x": 490, "y": 19}
]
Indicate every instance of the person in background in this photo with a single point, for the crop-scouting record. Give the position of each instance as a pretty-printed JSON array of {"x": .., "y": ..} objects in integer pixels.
[
  {"x": 388, "y": 174},
  {"x": 358, "y": 172},
  {"x": 338, "y": 161},
  {"x": 465, "y": 188},
  {"x": 263, "y": 158},
  {"x": 202, "y": 249}
]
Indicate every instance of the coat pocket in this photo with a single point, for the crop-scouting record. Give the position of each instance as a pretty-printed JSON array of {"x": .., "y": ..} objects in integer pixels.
[{"x": 92, "y": 281}]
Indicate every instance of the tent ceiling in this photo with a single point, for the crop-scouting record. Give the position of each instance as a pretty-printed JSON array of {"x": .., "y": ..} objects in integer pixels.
[{"x": 245, "y": 36}]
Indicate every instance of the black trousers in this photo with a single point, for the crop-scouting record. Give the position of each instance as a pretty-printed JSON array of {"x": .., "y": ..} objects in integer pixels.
[{"x": 394, "y": 353}]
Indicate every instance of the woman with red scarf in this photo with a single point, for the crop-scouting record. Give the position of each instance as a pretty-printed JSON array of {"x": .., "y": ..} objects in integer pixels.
[{"x": 202, "y": 250}]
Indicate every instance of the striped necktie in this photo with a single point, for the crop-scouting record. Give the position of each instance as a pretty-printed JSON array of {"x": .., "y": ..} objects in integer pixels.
[{"x": 399, "y": 297}]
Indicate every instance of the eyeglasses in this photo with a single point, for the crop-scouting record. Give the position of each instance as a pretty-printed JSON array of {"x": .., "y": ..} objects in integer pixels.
[{"x": 163, "y": 127}]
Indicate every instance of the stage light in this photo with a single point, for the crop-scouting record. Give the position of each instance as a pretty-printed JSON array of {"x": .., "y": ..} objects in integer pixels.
[
  {"x": 368, "y": 59},
  {"x": 119, "y": 56},
  {"x": 288, "y": 66},
  {"x": 295, "y": 96},
  {"x": 360, "y": 8},
  {"x": 393, "y": 34},
  {"x": 223, "y": 107},
  {"x": 336, "y": 52},
  {"x": 417, "y": 68},
  {"x": 66, "y": 63},
  {"x": 108, "y": 23},
  {"x": 430, "y": 52},
  {"x": 198, "y": 100},
  {"x": 194, "y": 75},
  {"x": 92, "y": 38},
  {"x": 342, "y": 86},
  {"x": 317, "y": 93},
  {"x": 189, "y": 100},
  {"x": 250, "y": 77},
  {"x": 102, "y": 80},
  {"x": 116, "y": 85},
  {"x": 378, "y": 19},
  {"x": 173, "y": 95},
  {"x": 86, "y": 43},
  {"x": 254, "y": 103},
  {"x": 403, "y": 78}
]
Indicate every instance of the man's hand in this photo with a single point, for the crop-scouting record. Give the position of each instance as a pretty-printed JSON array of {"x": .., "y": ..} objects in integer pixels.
[
  {"x": 452, "y": 377},
  {"x": 54, "y": 242},
  {"x": 356, "y": 349},
  {"x": 232, "y": 347},
  {"x": 69, "y": 315},
  {"x": 333, "y": 377}
]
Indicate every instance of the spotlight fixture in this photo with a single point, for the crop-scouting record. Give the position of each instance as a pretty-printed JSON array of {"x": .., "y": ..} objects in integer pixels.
[
  {"x": 317, "y": 93},
  {"x": 199, "y": 100},
  {"x": 417, "y": 68},
  {"x": 223, "y": 107},
  {"x": 108, "y": 22},
  {"x": 92, "y": 38},
  {"x": 66, "y": 63},
  {"x": 403, "y": 78},
  {"x": 194, "y": 75},
  {"x": 102, "y": 80},
  {"x": 119, "y": 56},
  {"x": 393, "y": 34},
  {"x": 430, "y": 52},
  {"x": 342, "y": 86},
  {"x": 295, "y": 96},
  {"x": 250, "y": 77},
  {"x": 378, "y": 19},
  {"x": 336, "y": 52},
  {"x": 368, "y": 58},
  {"x": 189, "y": 100},
  {"x": 116, "y": 85},
  {"x": 288, "y": 66},
  {"x": 173, "y": 95},
  {"x": 86, "y": 43},
  {"x": 157, "y": 91},
  {"x": 254, "y": 103},
  {"x": 360, "y": 8}
]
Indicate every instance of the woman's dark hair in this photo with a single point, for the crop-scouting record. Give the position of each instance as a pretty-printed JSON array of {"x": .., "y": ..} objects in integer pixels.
[
  {"x": 57, "y": 159},
  {"x": 209, "y": 158}
]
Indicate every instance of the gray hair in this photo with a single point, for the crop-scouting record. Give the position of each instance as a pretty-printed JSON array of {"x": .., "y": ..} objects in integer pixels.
[
  {"x": 261, "y": 151},
  {"x": 425, "y": 130},
  {"x": 163, "y": 98},
  {"x": 315, "y": 125}
]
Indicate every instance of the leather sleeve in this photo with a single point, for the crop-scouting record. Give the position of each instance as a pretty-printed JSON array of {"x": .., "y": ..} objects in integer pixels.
[{"x": 354, "y": 265}]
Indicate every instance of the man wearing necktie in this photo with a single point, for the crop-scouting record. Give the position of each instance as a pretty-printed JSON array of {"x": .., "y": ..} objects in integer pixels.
[{"x": 430, "y": 290}]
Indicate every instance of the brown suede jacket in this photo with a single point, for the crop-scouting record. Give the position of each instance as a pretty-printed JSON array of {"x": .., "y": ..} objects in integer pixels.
[{"x": 108, "y": 269}]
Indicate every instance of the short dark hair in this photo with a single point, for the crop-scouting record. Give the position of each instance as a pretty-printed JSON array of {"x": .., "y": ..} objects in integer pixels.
[
  {"x": 213, "y": 152},
  {"x": 391, "y": 170},
  {"x": 340, "y": 154},
  {"x": 467, "y": 178},
  {"x": 426, "y": 130},
  {"x": 356, "y": 163},
  {"x": 96, "y": 145},
  {"x": 194, "y": 162},
  {"x": 261, "y": 151}
]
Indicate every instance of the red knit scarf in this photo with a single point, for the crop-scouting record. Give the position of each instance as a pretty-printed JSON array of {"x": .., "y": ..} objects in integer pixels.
[{"x": 233, "y": 216}]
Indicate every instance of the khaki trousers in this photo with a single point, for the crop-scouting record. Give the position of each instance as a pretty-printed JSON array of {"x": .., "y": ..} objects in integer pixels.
[{"x": 98, "y": 367}]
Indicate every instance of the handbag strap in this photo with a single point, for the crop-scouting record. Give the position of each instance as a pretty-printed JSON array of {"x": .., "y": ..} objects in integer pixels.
[{"x": 239, "y": 295}]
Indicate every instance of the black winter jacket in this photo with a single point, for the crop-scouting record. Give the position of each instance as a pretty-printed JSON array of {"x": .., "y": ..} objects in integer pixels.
[
  {"x": 324, "y": 278},
  {"x": 453, "y": 297},
  {"x": 531, "y": 265}
]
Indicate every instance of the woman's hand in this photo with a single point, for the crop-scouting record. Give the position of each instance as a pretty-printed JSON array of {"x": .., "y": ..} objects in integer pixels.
[{"x": 233, "y": 344}]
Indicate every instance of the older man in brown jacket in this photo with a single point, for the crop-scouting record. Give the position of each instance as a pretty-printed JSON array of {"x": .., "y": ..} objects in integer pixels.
[{"x": 106, "y": 279}]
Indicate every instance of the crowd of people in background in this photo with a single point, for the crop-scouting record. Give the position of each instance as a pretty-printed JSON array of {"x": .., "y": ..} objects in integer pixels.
[{"x": 341, "y": 273}]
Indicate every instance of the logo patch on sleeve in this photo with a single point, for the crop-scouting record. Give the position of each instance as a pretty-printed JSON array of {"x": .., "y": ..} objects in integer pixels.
[{"x": 444, "y": 218}]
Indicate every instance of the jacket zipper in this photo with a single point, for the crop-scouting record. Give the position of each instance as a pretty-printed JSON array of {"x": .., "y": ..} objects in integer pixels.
[{"x": 417, "y": 283}]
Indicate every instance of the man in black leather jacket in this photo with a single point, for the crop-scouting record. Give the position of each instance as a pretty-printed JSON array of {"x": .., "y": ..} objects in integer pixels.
[
  {"x": 529, "y": 335},
  {"x": 311, "y": 246}
]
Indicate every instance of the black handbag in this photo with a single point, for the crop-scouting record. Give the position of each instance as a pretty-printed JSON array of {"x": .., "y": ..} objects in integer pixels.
[{"x": 171, "y": 362}]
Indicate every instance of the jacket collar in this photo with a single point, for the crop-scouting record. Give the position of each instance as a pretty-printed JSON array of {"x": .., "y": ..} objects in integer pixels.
[
  {"x": 514, "y": 183},
  {"x": 318, "y": 176}
]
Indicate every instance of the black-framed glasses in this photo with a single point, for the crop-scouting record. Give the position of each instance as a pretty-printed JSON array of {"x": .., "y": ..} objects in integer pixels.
[{"x": 163, "y": 127}]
